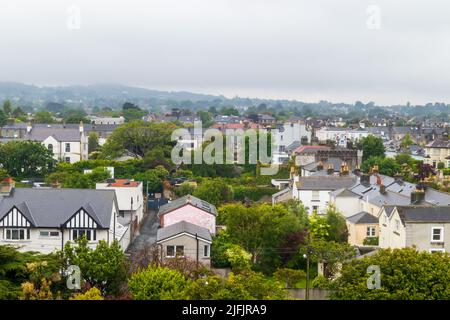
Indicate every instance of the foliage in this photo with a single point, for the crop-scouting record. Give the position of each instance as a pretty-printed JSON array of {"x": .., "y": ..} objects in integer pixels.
[
  {"x": 214, "y": 191},
  {"x": 386, "y": 166},
  {"x": 331, "y": 253},
  {"x": 184, "y": 189},
  {"x": 252, "y": 193},
  {"x": 91, "y": 294},
  {"x": 318, "y": 226},
  {"x": 370, "y": 241},
  {"x": 260, "y": 230},
  {"x": 103, "y": 267},
  {"x": 321, "y": 282},
  {"x": 238, "y": 258},
  {"x": 157, "y": 283},
  {"x": 289, "y": 276},
  {"x": 221, "y": 243},
  {"x": 372, "y": 146},
  {"x": 79, "y": 180},
  {"x": 406, "y": 274},
  {"x": 153, "y": 178},
  {"x": 74, "y": 115},
  {"x": 3, "y": 118},
  {"x": 337, "y": 230},
  {"x": 93, "y": 144},
  {"x": 7, "y": 107},
  {"x": 138, "y": 138},
  {"x": 43, "y": 116},
  {"x": 25, "y": 158},
  {"x": 17, "y": 268}
]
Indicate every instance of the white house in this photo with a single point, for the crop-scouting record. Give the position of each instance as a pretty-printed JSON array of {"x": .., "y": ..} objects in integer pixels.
[
  {"x": 107, "y": 120},
  {"x": 425, "y": 227},
  {"x": 67, "y": 144},
  {"x": 341, "y": 135},
  {"x": 130, "y": 199},
  {"x": 44, "y": 220}
]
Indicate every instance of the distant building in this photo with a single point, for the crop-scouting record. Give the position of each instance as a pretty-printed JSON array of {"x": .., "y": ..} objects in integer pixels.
[
  {"x": 361, "y": 226},
  {"x": 107, "y": 120},
  {"x": 341, "y": 135}
]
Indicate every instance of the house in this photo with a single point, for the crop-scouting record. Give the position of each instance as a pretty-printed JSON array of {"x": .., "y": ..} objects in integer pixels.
[
  {"x": 425, "y": 227},
  {"x": 315, "y": 191},
  {"x": 187, "y": 240},
  {"x": 107, "y": 120},
  {"x": 130, "y": 200},
  {"x": 438, "y": 151},
  {"x": 190, "y": 209},
  {"x": 265, "y": 119},
  {"x": 44, "y": 220},
  {"x": 341, "y": 135},
  {"x": 68, "y": 144},
  {"x": 361, "y": 226}
]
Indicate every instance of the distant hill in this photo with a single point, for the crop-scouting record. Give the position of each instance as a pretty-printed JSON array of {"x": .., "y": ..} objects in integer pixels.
[{"x": 93, "y": 94}]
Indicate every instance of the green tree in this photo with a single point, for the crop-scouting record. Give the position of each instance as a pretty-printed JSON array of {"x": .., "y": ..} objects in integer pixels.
[
  {"x": 406, "y": 274},
  {"x": 93, "y": 144},
  {"x": 43, "y": 116},
  {"x": 406, "y": 141},
  {"x": 215, "y": 191},
  {"x": 386, "y": 166},
  {"x": 289, "y": 276},
  {"x": 372, "y": 147},
  {"x": 103, "y": 267},
  {"x": 154, "y": 178},
  {"x": 139, "y": 137},
  {"x": 3, "y": 118},
  {"x": 221, "y": 243},
  {"x": 75, "y": 116},
  {"x": 7, "y": 107},
  {"x": 331, "y": 253},
  {"x": 318, "y": 226},
  {"x": 25, "y": 158},
  {"x": 260, "y": 230},
  {"x": 91, "y": 294},
  {"x": 337, "y": 230},
  {"x": 238, "y": 258},
  {"x": 157, "y": 283}
]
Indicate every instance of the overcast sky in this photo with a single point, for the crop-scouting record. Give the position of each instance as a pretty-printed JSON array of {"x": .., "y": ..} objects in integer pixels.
[{"x": 306, "y": 50}]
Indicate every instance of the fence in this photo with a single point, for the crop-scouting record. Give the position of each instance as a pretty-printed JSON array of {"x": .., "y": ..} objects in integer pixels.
[{"x": 314, "y": 294}]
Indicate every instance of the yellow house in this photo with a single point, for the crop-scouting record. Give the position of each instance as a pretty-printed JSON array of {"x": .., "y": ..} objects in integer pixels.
[
  {"x": 438, "y": 151},
  {"x": 361, "y": 226}
]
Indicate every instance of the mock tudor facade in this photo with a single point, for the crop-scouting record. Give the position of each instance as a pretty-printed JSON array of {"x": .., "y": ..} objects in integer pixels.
[{"x": 44, "y": 220}]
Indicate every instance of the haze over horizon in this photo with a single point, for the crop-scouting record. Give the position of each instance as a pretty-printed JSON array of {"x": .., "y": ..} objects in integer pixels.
[{"x": 302, "y": 50}]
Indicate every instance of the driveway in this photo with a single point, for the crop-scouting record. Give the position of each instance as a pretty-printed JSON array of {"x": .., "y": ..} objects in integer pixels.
[{"x": 147, "y": 233}]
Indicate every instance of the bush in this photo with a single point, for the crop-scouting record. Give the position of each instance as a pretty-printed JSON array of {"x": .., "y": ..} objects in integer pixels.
[
  {"x": 289, "y": 276},
  {"x": 370, "y": 241},
  {"x": 320, "y": 282},
  {"x": 158, "y": 283},
  {"x": 252, "y": 193}
]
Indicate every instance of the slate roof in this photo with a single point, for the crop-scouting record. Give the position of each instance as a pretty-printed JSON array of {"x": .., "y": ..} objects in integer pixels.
[
  {"x": 183, "y": 227},
  {"x": 344, "y": 192},
  {"x": 60, "y": 134},
  {"x": 177, "y": 203},
  {"x": 362, "y": 217},
  {"x": 424, "y": 213},
  {"x": 334, "y": 161},
  {"x": 53, "y": 207},
  {"x": 325, "y": 182},
  {"x": 439, "y": 144}
]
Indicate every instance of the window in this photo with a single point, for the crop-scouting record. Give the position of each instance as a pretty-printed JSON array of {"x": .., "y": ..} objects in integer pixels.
[
  {"x": 50, "y": 147},
  {"x": 316, "y": 195},
  {"x": 171, "y": 251},
  {"x": 67, "y": 147},
  {"x": 437, "y": 234},
  {"x": 67, "y": 159},
  {"x": 206, "y": 251},
  {"x": 315, "y": 209},
  {"x": 48, "y": 233},
  {"x": 397, "y": 225},
  {"x": 17, "y": 234},
  {"x": 91, "y": 235},
  {"x": 370, "y": 231},
  {"x": 437, "y": 250}
]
